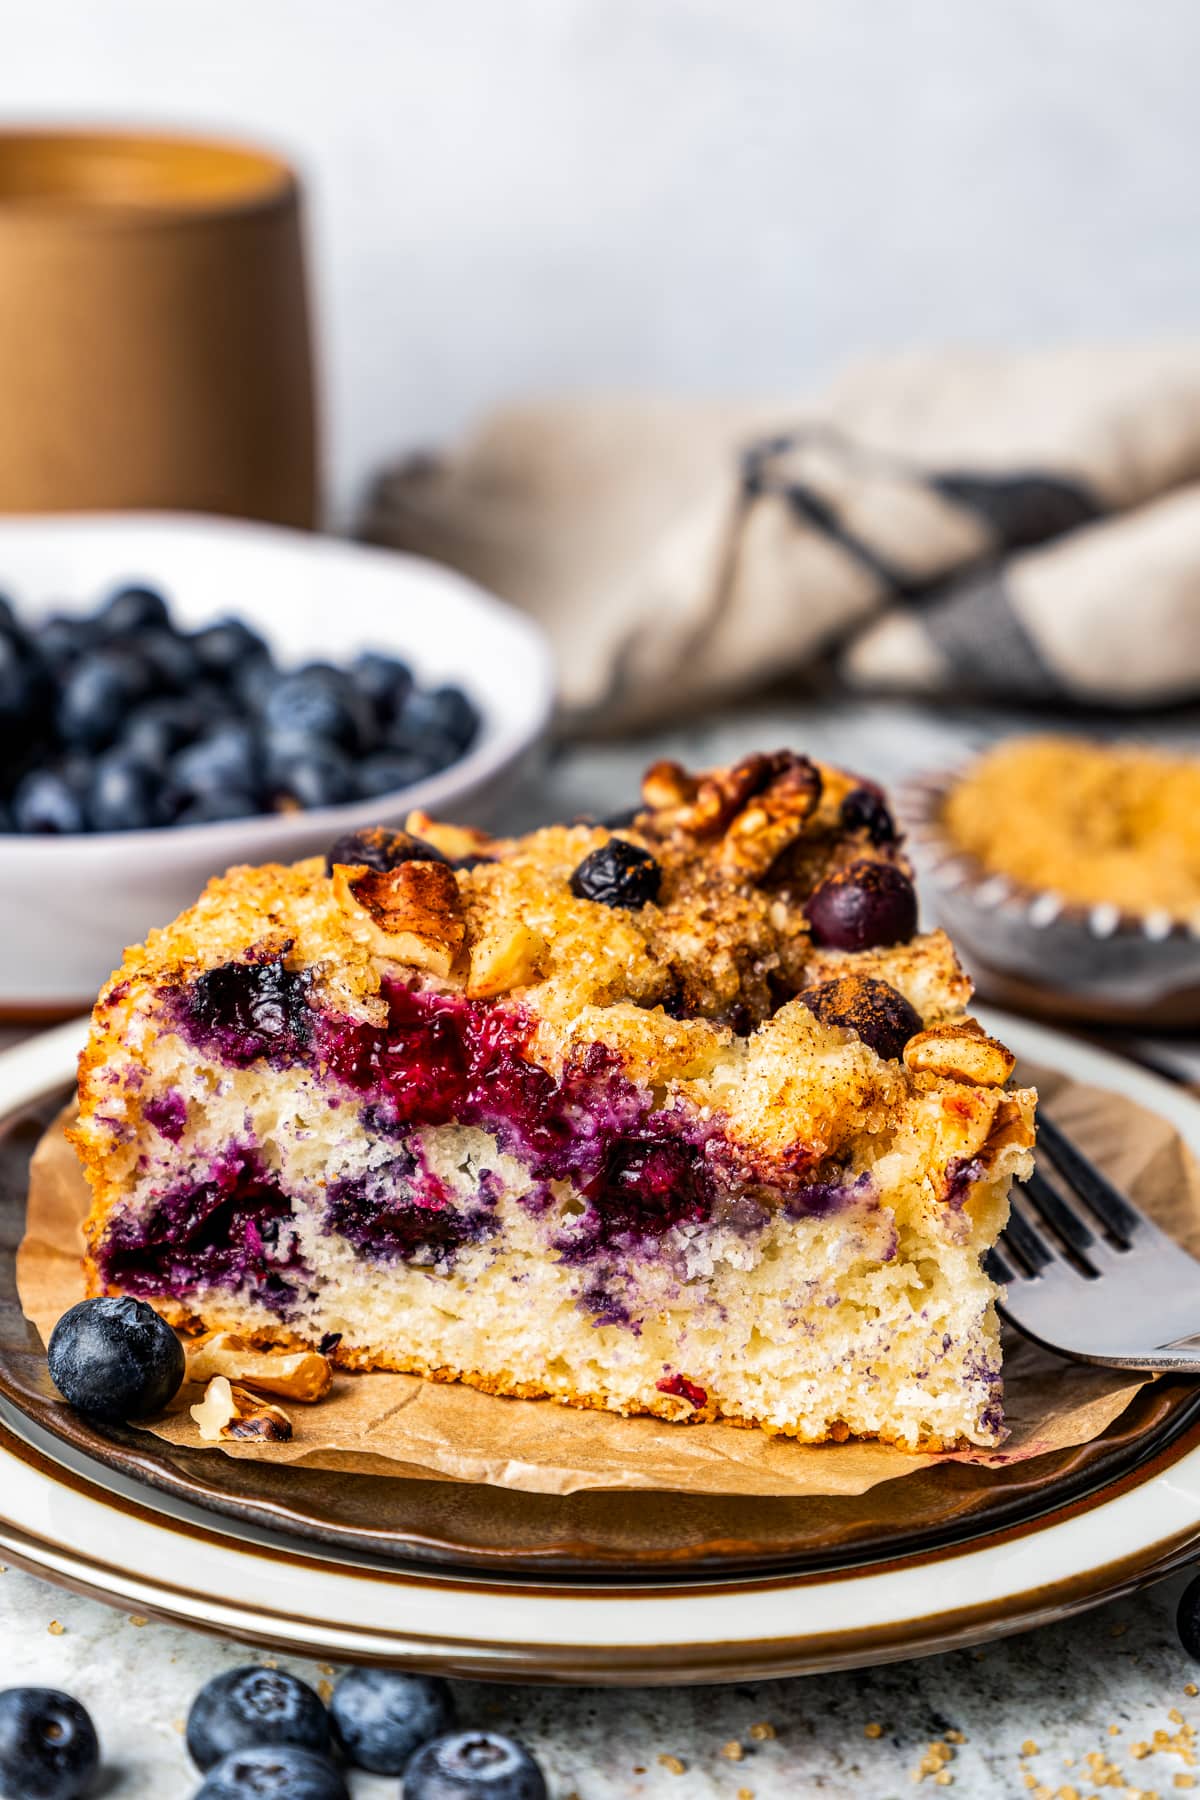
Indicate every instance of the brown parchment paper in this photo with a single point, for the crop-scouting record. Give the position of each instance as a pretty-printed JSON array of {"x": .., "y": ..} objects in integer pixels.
[{"x": 404, "y": 1426}]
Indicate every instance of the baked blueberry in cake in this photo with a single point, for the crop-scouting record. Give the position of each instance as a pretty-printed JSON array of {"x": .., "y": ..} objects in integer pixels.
[{"x": 681, "y": 1116}]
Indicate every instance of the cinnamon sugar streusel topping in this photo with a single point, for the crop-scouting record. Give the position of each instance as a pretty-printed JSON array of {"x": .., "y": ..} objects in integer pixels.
[{"x": 1095, "y": 823}]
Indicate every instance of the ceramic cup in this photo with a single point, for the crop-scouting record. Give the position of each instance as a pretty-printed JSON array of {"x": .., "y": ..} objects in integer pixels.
[{"x": 154, "y": 328}]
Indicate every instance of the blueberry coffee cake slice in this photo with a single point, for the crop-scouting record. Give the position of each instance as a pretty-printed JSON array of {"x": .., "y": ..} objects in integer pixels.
[{"x": 679, "y": 1115}]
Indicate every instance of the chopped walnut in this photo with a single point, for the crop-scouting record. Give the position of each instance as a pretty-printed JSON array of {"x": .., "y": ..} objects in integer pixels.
[
  {"x": 414, "y": 911},
  {"x": 292, "y": 1374},
  {"x": 230, "y": 1411},
  {"x": 759, "y": 806},
  {"x": 960, "y": 1052},
  {"x": 454, "y": 841}
]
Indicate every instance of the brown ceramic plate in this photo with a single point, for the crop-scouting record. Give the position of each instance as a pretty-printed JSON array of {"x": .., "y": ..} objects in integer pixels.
[{"x": 593, "y": 1537}]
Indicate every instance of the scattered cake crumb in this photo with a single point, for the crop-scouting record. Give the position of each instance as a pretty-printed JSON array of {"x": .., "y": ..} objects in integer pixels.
[
  {"x": 138, "y": 1619},
  {"x": 325, "y": 1689},
  {"x": 326, "y": 1668},
  {"x": 762, "y": 1731},
  {"x": 1184, "y": 1780},
  {"x": 956, "y": 1737},
  {"x": 937, "y": 1755},
  {"x": 1029, "y": 1748},
  {"x": 674, "y": 1764},
  {"x": 1189, "y": 1687},
  {"x": 745, "y": 1794},
  {"x": 55, "y": 1629},
  {"x": 873, "y": 1729},
  {"x": 732, "y": 1751}
]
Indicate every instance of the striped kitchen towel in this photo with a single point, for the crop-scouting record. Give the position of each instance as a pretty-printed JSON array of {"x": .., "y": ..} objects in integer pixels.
[{"x": 1022, "y": 526}]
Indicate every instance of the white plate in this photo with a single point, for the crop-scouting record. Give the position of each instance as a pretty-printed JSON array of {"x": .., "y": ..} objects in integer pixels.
[
  {"x": 64, "y": 1517},
  {"x": 69, "y": 906}
]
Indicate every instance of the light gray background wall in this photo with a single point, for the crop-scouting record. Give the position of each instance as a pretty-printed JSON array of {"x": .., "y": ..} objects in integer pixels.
[{"x": 517, "y": 194}]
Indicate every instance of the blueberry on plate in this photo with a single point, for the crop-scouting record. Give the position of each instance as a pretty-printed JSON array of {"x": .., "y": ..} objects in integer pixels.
[
  {"x": 381, "y": 1716},
  {"x": 48, "y": 1745},
  {"x": 170, "y": 656},
  {"x": 223, "y": 648},
  {"x": 319, "y": 701},
  {"x": 444, "y": 711},
  {"x": 126, "y": 793},
  {"x": 8, "y": 616},
  {"x": 61, "y": 640},
  {"x": 273, "y": 1772},
  {"x": 617, "y": 874},
  {"x": 160, "y": 727},
  {"x": 473, "y": 1765},
  {"x": 16, "y": 682},
  {"x": 250, "y": 1706},
  {"x": 131, "y": 609},
  {"x": 115, "y": 1359},
  {"x": 98, "y": 694},
  {"x": 432, "y": 748},
  {"x": 46, "y": 803}
]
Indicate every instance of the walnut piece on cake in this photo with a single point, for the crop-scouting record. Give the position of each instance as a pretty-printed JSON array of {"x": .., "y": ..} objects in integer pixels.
[{"x": 680, "y": 1116}]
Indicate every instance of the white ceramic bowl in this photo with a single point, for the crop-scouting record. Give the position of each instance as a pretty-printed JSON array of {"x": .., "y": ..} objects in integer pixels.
[{"x": 69, "y": 905}]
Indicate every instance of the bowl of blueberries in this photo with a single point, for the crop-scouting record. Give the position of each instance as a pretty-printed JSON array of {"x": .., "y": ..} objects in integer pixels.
[{"x": 178, "y": 695}]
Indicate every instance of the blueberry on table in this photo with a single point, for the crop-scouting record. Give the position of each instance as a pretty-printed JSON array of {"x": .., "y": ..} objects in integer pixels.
[
  {"x": 226, "y": 647},
  {"x": 126, "y": 793},
  {"x": 273, "y": 1772},
  {"x": 380, "y": 849},
  {"x": 381, "y": 1716},
  {"x": 1187, "y": 1618},
  {"x": 97, "y": 695},
  {"x": 115, "y": 1359},
  {"x": 473, "y": 1765},
  {"x": 319, "y": 701},
  {"x": 131, "y": 609},
  {"x": 46, "y": 803},
  {"x": 48, "y": 1746},
  {"x": 252, "y": 1706},
  {"x": 617, "y": 874},
  {"x": 863, "y": 906}
]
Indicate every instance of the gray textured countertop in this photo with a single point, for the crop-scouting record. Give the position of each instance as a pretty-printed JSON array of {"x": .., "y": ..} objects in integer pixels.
[{"x": 1092, "y": 1688}]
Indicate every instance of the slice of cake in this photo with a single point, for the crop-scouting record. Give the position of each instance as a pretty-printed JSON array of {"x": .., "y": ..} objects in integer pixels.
[{"x": 675, "y": 1116}]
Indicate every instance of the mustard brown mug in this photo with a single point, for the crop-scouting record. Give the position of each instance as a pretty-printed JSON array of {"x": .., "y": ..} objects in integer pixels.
[{"x": 155, "y": 343}]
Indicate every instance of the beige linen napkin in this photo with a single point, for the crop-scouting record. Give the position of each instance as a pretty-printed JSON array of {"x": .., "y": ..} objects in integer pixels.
[{"x": 1021, "y": 525}]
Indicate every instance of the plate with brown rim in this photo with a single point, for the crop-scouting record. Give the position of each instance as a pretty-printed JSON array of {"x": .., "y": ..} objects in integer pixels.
[{"x": 596, "y": 1541}]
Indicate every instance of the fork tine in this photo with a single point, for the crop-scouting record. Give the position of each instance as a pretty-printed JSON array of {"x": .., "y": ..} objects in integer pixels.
[
  {"x": 997, "y": 1269},
  {"x": 1117, "y": 1214},
  {"x": 1061, "y": 1217},
  {"x": 1024, "y": 1240}
]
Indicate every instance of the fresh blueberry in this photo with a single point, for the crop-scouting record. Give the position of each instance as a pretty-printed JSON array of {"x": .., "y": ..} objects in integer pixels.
[
  {"x": 308, "y": 773},
  {"x": 863, "y": 906},
  {"x": 250, "y": 1706},
  {"x": 865, "y": 809},
  {"x": 319, "y": 701},
  {"x": 115, "y": 1359},
  {"x": 431, "y": 748},
  {"x": 226, "y": 647},
  {"x": 1187, "y": 1618},
  {"x": 474, "y": 1765},
  {"x": 389, "y": 771},
  {"x": 160, "y": 727},
  {"x": 380, "y": 1716},
  {"x": 229, "y": 803},
  {"x": 62, "y": 639},
  {"x": 444, "y": 711},
  {"x": 273, "y": 1772},
  {"x": 226, "y": 757},
  {"x": 8, "y": 616},
  {"x": 386, "y": 682},
  {"x": 873, "y": 1010},
  {"x": 170, "y": 657},
  {"x": 48, "y": 1746},
  {"x": 126, "y": 793},
  {"x": 252, "y": 682},
  {"x": 381, "y": 849},
  {"x": 617, "y": 874},
  {"x": 131, "y": 609},
  {"x": 98, "y": 694},
  {"x": 46, "y": 803},
  {"x": 16, "y": 683}
]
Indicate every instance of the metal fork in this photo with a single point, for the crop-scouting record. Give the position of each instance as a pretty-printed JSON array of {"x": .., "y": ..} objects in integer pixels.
[{"x": 1089, "y": 1275}]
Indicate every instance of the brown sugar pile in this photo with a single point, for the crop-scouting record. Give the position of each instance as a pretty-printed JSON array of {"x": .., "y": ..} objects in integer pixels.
[{"x": 1094, "y": 823}]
